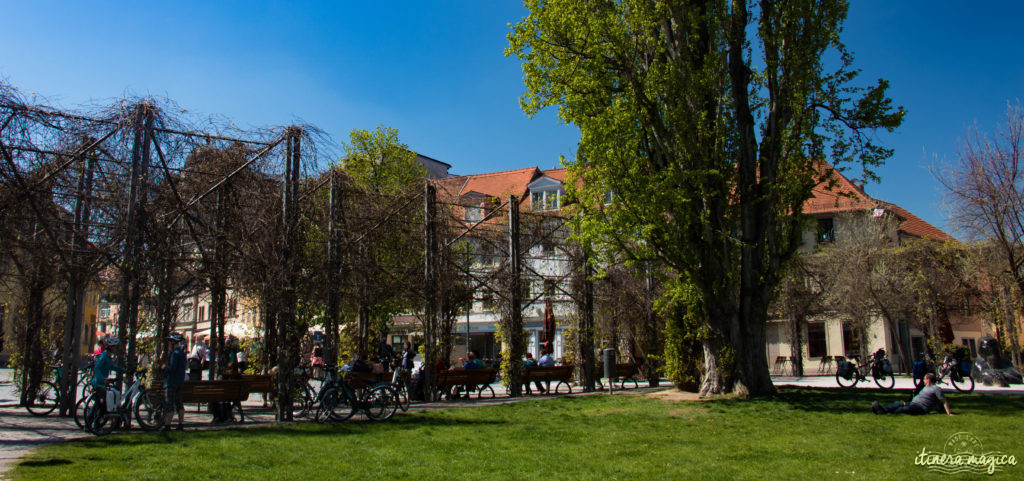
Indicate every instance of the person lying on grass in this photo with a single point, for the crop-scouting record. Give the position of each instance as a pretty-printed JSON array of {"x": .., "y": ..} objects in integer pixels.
[{"x": 929, "y": 398}]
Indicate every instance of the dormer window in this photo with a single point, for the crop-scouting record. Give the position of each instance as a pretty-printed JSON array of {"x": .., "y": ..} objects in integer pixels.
[
  {"x": 474, "y": 214},
  {"x": 548, "y": 199},
  {"x": 546, "y": 193},
  {"x": 474, "y": 204}
]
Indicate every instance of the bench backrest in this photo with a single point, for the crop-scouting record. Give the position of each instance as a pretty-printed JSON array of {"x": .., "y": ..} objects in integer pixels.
[
  {"x": 623, "y": 370},
  {"x": 260, "y": 383},
  {"x": 550, "y": 373},
  {"x": 212, "y": 391},
  {"x": 459, "y": 377}
]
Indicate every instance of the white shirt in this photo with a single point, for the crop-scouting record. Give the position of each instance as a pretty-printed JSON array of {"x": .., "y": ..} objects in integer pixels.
[{"x": 198, "y": 351}]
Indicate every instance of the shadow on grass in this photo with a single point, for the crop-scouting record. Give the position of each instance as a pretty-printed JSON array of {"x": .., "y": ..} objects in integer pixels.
[
  {"x": 400, "y": 422},
  {"x": 838, "y": 400},
  {"x": 47, "y": 462}
]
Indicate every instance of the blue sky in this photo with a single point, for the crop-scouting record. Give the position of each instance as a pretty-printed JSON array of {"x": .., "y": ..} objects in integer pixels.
[{"x": 436, "y": 71}]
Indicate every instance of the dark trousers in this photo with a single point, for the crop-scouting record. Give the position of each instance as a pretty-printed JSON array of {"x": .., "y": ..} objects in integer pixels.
[{"x": 900, "y": 407}]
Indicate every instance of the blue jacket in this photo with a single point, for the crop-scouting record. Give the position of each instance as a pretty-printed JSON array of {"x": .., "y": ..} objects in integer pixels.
[
  {"x": 102, "y": 369},
  {"x": 174, "y": 373}
]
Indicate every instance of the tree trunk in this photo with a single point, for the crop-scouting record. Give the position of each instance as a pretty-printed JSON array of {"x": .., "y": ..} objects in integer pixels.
[{"x": 796, "y": 343}]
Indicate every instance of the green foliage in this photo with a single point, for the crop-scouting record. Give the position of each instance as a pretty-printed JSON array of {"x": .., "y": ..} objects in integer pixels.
[
  {"x": 380, "y": 162},
  {"x": 683, "y": 336},
  {"x": 710, "y": 134}
]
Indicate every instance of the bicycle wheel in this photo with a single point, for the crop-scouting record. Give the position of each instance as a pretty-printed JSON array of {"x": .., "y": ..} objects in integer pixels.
[
  {"x": 328, "y": 401},
  {"x": 98, "y": 421},
  {"x": 379, "y": 403},
  {"x": 960, "y": 382},
  {"x": 345, "y": 407},
  {"x": 302, "y": 403},
  {"x": 43, "y": 401},
  {"x": 149, "y": 411},
  {"x": 884, "y": 380},
  {"x": 79, "y": 413},
  {"x": 403, "y": 397},
  {"x": 846, "y": 381}
]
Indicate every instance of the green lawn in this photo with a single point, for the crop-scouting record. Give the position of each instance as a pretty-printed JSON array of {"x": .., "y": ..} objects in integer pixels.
[{"x": 800, "y": 434}]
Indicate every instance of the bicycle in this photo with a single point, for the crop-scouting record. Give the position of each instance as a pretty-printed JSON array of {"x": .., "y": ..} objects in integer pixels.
[
  {"x": 401, "y": 387},
  {"x": 44, "y": 397},
  {"x": 848, "y": 374},
  {"x": 148, "y": 409},
  {"x": 340, "y": 402},
  {"x": 949, "y": 367}
]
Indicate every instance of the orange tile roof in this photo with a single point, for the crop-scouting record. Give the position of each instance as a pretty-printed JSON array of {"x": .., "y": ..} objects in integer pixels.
[
  {"x": 845, "y": 196},
  {"x": 915, "y": 226},
  {"x": 842, "y": 196}
]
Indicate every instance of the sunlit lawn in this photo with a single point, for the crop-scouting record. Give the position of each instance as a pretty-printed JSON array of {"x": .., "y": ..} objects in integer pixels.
[{"x": 800, "y": 434}]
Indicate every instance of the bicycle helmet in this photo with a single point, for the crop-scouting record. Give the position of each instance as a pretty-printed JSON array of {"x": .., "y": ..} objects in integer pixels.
[{"x": 113, "y": 341}]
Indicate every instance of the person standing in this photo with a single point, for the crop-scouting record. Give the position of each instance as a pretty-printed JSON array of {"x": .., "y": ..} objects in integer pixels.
[
  {"x": 100, "y": 372},
  {"x": 243, "y": 360},
  {"x": 174, "y": 378},
  {"x": 195, "y": 360}
]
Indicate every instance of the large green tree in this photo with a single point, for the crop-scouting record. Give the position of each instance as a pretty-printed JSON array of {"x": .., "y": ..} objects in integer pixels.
[{"x": 707, "y": 120}]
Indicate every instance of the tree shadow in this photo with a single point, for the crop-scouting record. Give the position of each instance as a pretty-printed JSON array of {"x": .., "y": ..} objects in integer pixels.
[{"x": 839, "y": 400}]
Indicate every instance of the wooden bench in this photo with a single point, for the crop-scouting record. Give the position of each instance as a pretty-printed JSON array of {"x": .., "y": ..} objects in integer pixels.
[
  {"x": 225, "y": 390},
  {"x": 558, "y": 374},
  {"x": 260, "y": 383},
  {"x": 624, "y": 372},
  {"x": 455, "y": 383}
]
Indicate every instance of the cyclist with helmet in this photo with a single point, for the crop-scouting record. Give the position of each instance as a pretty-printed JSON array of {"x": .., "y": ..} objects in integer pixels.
[
  {"x": 174, "y": 378},
  {"x": 104, "y": 364}
]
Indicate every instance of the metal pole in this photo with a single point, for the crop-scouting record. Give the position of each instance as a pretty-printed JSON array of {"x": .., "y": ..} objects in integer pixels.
[
  {"x": 430, "y": 289},
  {"x": 586, "y": 334},
  {"x": 130, "y": 289},
  {"x": 286, "y": 319},
  {"x": 333, "y": 265},
  {"x": 76, "y": 290},
  {"x": 513, "y": 332}
]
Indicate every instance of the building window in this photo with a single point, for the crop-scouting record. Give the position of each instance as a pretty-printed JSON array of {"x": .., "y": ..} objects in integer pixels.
[
  {"x": 549, "y": 288},
  {"x": 969, "y": 343},
  {"x": 546, "y": 200},
  {"x": 234, "y": 307},
  {"x": 851, "y": 341},
  {"x": 202, "y": 313},
  {"x": 826, "y": 231},
  {"x": 474, "y": 214},
  {"x": 609, "y": 195},
  {"x": 817, "y": 345},
  {"x": 547, "y": 247}
]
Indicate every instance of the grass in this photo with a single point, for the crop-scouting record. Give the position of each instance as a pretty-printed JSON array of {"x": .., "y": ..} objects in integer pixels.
[{"x": 799, "y": 434}]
